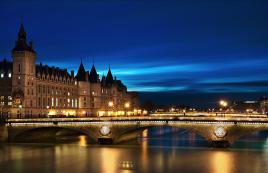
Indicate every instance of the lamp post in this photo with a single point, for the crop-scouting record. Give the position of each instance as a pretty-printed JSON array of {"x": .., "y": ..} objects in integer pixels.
[
  {"x": 20, "y": 106},
  {"x": 127, "y": 105},
  {"x": 110, "y": 105},
  {"x": 223, "y": 104},
  {"x": 47, "y": 110}
]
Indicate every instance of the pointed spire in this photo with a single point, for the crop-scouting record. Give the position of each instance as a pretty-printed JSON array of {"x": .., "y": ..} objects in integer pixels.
[
  {"x": 109, "y": 77},
  {"x": 21, "y": 44},
  {"x": 93, "y": 76},
  {"x": 80, "y": 76},
  {"x": 22, "y": 33}
]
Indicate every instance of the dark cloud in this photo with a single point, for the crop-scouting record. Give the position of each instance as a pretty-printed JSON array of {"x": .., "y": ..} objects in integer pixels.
[
  {"x": 167, "y": 82},
  {"x": 240, "y": 84}
]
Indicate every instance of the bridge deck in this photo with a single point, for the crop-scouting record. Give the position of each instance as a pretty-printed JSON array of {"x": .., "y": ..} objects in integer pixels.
[{"x": 141, "y": 119}]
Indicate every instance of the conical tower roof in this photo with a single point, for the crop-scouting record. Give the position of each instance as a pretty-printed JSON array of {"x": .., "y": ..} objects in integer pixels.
[
  {"x": 21, "y": 43},
  {"x": 93, "y": 75},
  {"x": 109, "y": 77},
  {"x": 80, "y": 76}
]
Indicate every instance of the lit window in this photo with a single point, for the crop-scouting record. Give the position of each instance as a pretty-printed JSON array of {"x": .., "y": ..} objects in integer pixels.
[
  {"x": 68, "y": 100},
  {"x": 75, "y": 83},
  {"x": 9, "y": 75},
  {"x": 68, "y": 93},
  {"x": 56, "y": 102},
  {"x": 76, "y": 103},
  {"x": 93, "y": 92},
  {"x": 52, "y": 101},
  {"x": 18, "y": 77},
  {"x": 2, "y": 75}
]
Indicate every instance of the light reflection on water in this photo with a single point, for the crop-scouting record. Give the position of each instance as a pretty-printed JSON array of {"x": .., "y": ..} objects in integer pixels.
[
  {"x": 165, "y": 150},
  {"x": 222, "y": 162}
]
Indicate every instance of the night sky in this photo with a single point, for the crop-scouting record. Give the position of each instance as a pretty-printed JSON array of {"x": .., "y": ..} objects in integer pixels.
[{"x": 177, "y": 52}]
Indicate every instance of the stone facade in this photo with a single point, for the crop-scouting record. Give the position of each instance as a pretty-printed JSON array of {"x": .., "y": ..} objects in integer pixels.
[{"x": 31, "y": 90}]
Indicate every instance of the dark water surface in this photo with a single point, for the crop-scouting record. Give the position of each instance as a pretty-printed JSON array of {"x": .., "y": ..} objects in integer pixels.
[{"x": 159, "y": 150}]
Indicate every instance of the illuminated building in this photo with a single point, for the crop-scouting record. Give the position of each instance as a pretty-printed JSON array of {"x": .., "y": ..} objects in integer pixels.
[{"x": 28, "y": 89}]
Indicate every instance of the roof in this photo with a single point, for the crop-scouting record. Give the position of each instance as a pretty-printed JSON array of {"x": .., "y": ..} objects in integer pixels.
[
  {"x": 56, "y": 71},
  {"x": 21, "y": 43},
  {"x": 81, "y": 74},
  {"x": 93, "y": 75},
  {"x": 109, "y": 78}
]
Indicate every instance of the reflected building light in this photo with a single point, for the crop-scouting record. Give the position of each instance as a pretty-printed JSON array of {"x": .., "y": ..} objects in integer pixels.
[
  {"x": 222, "y": 162},
  {"x": 82, "y": 140},
  {"x": 109, "y": 160}
]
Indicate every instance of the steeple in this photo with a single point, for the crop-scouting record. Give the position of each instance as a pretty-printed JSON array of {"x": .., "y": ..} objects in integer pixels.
[
  {"x": 109, "y": 77},
  {"x": 93, "y": 76},
  {"x": 80, "y": 76},
  {"x": 22, "y": 33},
  {"x": 21, "y": 43}
]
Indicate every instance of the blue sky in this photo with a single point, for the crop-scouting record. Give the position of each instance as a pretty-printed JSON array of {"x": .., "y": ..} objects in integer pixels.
[{"x": 198, "y": 46}]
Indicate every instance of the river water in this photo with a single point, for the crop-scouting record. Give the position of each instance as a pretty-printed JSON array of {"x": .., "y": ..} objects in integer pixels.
[{"x": 157, "y": 150}]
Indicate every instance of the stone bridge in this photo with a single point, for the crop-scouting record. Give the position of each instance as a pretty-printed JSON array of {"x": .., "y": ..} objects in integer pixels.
[{"x": 219, "y": 131}]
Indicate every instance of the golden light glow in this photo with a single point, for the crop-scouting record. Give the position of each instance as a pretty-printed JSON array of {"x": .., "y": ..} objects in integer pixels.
[
  {"x": 111, "y": 163},
  {"x": 222, "y": 162},
  {"x": 127, "y": 105},
  {"x": 51, "y": 112},
  {"x": 65, "y": 112},
  {"x": 101, "y": 113},
  {"x": 223, "y": 103},
  {"x": 110, "y": 104},
  {"x": 144, "y": 112},
  {"x": 83, "y": 140}
]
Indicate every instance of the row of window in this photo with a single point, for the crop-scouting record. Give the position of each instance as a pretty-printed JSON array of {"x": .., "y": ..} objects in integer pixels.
[
  {"x": 57, "y": 102},
  {"x": 3, "y": 75},
  {"x": 57, "y": 79},
  {"x": 55, "y": 90}
]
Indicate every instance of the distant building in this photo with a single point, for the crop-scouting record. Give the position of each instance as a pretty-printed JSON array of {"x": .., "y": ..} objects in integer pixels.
[
  {"x": 258, "y": 106},
  {"x": 28, "y": 89}
]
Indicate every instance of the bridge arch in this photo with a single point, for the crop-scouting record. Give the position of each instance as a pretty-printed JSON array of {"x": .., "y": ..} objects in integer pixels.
[
  {"x": 50, "y": 134},
  {"x": 133, "y": 133},
  {"x": 254, "y": 134}
]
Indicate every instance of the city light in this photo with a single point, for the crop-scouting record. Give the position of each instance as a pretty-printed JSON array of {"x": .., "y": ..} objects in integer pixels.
[
  {"x": 110, "y": 104},
  {"x": 127, "y": 105},
  {"x": 223, "y": 103}
]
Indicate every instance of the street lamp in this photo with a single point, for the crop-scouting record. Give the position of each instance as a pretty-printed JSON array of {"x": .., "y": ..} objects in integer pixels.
[
  {"x": 47, "y": 110},
  {"x": 223, "y": 104},
  {"x": 110, "y": 105},
  {"x": 127, "y": 105},
  {"x": 20, "y": 106}
]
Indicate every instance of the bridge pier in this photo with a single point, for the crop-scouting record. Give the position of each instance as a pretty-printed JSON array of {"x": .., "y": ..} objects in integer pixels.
[
  {"x": 105, "y": 141},
  {"x": 220, "y": 144}
]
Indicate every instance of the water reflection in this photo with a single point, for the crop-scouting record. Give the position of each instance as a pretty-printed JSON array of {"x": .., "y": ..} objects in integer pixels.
[
  {"x": 167, "y": 150},
  {"x": 83, "y": 141},
  {"x": 221, "y": 162}
]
